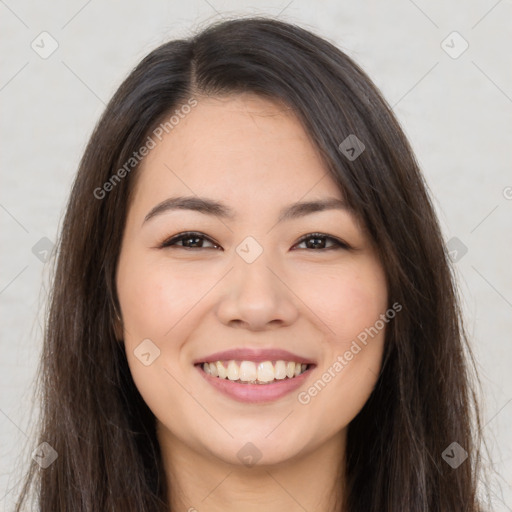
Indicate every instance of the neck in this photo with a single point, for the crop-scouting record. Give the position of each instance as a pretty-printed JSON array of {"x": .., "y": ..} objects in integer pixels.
[{"x": 200, "y": 482}]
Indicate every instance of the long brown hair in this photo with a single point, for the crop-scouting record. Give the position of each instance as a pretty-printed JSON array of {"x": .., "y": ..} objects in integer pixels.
[{"x": 92, "y": 414}]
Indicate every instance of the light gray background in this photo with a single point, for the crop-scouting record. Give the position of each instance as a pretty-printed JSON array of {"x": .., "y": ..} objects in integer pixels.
[{"x": 457, "y": 113}]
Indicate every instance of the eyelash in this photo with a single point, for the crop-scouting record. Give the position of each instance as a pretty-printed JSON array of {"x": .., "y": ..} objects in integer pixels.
[{"x": 170, "y": 242}]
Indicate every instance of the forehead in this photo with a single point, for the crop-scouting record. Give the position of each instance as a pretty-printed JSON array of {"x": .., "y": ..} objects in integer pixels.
[{"x": 242, "y": 149}]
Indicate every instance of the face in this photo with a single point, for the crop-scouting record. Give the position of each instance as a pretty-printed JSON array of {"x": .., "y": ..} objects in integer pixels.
[{"x": 272, "y": 283}]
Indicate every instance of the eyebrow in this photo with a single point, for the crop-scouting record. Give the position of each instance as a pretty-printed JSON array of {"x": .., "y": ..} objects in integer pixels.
[{"x": 212, "y": 207}]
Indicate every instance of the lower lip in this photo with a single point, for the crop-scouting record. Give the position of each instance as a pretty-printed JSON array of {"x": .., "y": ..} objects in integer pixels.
[{"x": 256, "y": 393}]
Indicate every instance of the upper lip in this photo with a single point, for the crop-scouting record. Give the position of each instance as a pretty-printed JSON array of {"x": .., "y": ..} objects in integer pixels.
[{"x": 256, "y": 355}]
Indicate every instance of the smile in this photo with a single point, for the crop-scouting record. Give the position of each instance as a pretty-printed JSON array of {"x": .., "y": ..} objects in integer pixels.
[
  {"x": 249, "y": 372},
  {"x": 255, "y": 382}
]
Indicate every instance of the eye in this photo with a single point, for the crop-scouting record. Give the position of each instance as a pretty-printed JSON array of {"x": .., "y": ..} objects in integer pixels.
[
  {"x": 195, "y": 240},
  {"x": 190, "y": 239},
  {"x": 318, "y": 242}
]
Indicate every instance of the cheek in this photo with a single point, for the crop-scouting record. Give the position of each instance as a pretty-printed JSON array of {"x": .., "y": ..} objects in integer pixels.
[
  {"x": 155, "y": 304},
  {"x": 343, "y": 382},
  {"x": 155, "y": 298},
  {"x": 351, "y": 304},
  {"x": 160, "y": 303},
  {"x": 346, "y": 300}
]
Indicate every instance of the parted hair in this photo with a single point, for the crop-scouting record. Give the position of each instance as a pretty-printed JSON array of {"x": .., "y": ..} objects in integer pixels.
[{"x": 91, "y": 411}]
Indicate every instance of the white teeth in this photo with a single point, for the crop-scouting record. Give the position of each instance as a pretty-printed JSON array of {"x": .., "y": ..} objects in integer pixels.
[
  {"x": 250, "y": 372},
  {"x": 233, "y": 371},
  {"x": 213, "y": 370},
  {"x": 265, "y": 372},
  {"x": 221, "y": 370},
  {"x": 290, "y": 370},
  {"x": 280, "y": 370}
]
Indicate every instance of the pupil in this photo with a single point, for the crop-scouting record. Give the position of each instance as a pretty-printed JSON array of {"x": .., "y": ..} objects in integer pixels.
[{"x": 316, "y": 239}]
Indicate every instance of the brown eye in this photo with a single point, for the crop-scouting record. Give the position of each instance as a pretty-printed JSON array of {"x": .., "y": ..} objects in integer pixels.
[
  {"x": 318, "y": 241},
  {"x": 195, "y": 240},
  {"x": 189, "y": 240}
]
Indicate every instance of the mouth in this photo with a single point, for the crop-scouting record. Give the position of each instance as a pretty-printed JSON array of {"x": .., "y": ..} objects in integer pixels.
[
  {"x": 255, "y": 381},
  {"x": 251, "y": 372}
]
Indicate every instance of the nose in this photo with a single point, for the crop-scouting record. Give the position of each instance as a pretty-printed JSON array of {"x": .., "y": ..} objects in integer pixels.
[{"x": 256, "y": 297}]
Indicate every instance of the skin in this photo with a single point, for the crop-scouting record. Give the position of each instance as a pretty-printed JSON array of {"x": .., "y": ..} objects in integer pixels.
[{"x": 254, "y": 156}]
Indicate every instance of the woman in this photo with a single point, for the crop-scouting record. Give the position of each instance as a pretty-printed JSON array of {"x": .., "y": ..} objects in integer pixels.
[{"x": 253, "y": 305}]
